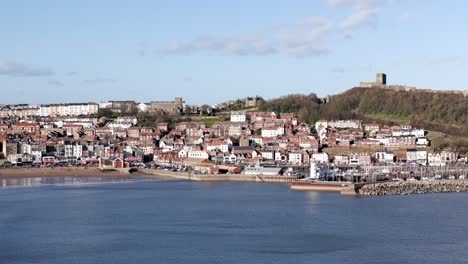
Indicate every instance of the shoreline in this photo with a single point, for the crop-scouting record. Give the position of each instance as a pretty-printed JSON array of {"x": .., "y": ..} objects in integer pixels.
[
  {"x": 14, "y": 173},
  {"x": 374, "y": 189}
]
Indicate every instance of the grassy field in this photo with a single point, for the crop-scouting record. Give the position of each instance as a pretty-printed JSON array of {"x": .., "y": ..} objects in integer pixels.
[
  {"x": 209, "y": 121},
  {"x": 440, "y": 140},
  {"x": 393, "y": 118}
]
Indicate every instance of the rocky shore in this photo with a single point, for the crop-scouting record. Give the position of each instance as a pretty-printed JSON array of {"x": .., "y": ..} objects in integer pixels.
[{"x": 414, "y": 187}]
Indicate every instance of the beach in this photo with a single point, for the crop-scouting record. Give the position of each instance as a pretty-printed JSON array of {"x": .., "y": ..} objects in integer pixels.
[{"x": 58, "y": 171}]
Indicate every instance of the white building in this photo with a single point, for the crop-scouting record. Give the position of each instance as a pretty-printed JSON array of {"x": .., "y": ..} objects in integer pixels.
[
  {"x": 321, "y": 123},
  {"x": 384, "y": 156},
  {"x": 314, "y": 171},
  {"x": 68, "y": 109},
  {"x": 77, "y": 151},
  {"x": 422, "y": 141},
  {"x": 220, "y": 147},
  {"x": 435, "y": 159},
  {"x": 25, "y": 148},
  {"x": 74, "y": 151},
  {"x": 198, "y": 154},
  {"x": 341, "y": 160},
  {"x": 295, "y": 158},
  {"x": 345, "y": 124},
  {"x": 409, "y": 132},
  {"x": 127, "y": 119},
  {"x": 238, "y": 117},
  {"x": 268, "y": 154},
  {"x": 320, "y": 158},
  {"x": 36, "y": 155},
  {"x": 182, "y": 153},
  {"x": 273, "y": 131},
  {"x": 416, "y": 155},
  {"x": 142, "y": 107}
]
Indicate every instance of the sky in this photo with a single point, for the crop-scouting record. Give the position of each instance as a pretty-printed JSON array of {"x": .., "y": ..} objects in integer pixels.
[{"x": 209, "y": 51}]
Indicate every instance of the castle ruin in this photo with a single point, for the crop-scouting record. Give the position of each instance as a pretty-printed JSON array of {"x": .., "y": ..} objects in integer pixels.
[{"x": 381, "y": 83}]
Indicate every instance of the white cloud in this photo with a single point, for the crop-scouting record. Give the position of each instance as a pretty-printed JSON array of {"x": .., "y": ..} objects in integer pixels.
[
  {"x": 304, "y": 38},
  {"x": 338, "y": 70},
  {"x": 405, "y": 17},
  {"x": 363, "y": 12},
  {"x": 298, "y": 39},
  {"x": 360, "y": 17},
  {"x": 99, "y": 81},
  {"x": 10, "y": 68},
  {"x": 55, "y": 83}
]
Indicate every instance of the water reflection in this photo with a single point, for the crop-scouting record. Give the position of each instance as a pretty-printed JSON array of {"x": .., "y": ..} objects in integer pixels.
[{"x": 38, "y": 181}]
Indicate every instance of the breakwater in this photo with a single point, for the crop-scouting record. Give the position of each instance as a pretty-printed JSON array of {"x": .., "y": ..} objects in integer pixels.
[
  {"x": 413, "y": 187},
  {"x": 219, "y": 177}
]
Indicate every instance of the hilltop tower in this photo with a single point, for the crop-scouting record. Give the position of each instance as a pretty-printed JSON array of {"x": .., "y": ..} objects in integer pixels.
[{"x": 381, "y": 79}]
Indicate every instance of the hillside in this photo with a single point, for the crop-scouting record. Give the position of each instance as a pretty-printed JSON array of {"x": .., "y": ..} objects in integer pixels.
[{"x": 440, "y": 112}]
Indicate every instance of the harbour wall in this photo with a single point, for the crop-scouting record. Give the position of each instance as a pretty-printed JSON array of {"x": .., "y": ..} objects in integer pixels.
[
  {"x": 219, "y": 177},
  {"x": 413, "y": 187}
]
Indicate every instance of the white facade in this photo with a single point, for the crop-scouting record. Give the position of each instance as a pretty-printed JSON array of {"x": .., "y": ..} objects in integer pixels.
[
  {"x": 321, "y": 123},
  {"x": 127, "y": 119},
  {"x": 198, "y": 154},
  {"x": 221, "y": 147},
  {"x": 341, "y": 159},
  {"x": 25, "y": 149},
  {"x": 419, "y": 156},
  {"x": 182, "y": 153},
  {"x": 295, "y": 158},
  {"x": 408, "y": 132},
  {"x": 117, "y": 126},
  {"x": 422, "y": 141},
  {"x": 142, "y": 107},
  {"x": 320, "y": 158},
  {"x": 36, "y": 155},
  {"x": 238, "y": 117},
  {"x": 73, "y": 151},
  {"x": 345, "y": 124},
  {"x": 68, "y": 109},
  {"x": 77, "y": 151},
  {"x": 273, "y": 131},
  {"x": 383, "y": 156},
  {"x": 435, "y": 159},
  {"x": 314, "y": 171},
  {"x": 105, "y": 105},
  {"x": 268, "y": 155}
]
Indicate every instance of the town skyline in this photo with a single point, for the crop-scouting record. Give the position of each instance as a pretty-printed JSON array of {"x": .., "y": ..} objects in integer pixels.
[{"x": 164, "y": 50}]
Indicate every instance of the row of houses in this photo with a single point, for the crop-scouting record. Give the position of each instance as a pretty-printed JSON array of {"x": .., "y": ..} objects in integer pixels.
[
  {"x": 247, "y": 139},
  {"x": 374, "y": 136}
]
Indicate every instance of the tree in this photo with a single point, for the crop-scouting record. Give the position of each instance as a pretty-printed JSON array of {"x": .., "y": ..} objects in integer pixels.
[{"x": 105, "y": 112}]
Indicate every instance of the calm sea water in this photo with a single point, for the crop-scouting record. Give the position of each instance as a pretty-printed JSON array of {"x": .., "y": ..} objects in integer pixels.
[{"x": 189, "y": 222}]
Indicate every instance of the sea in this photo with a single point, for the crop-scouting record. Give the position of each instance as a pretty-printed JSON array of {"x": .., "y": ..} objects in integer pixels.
[{"x": 97, "y": 220}]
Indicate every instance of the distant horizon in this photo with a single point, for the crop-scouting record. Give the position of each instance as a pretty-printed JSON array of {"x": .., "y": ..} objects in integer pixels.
[{"x": 209, "y": 51}]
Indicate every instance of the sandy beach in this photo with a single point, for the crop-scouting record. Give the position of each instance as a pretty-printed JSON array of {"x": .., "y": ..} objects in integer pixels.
[{"x": 60, "y": 171}]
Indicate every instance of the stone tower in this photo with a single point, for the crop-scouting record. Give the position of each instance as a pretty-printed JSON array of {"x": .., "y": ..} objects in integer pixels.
[
  {"x": 381, "y": 79},
  {"x": 178, "y": 102}
]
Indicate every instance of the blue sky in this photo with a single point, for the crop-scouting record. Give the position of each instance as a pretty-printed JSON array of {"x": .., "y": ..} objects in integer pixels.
[{"x": 210, "y": 51}]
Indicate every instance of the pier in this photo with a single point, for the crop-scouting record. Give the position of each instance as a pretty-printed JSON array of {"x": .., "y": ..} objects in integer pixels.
[{"x": 219, "y": 177}]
